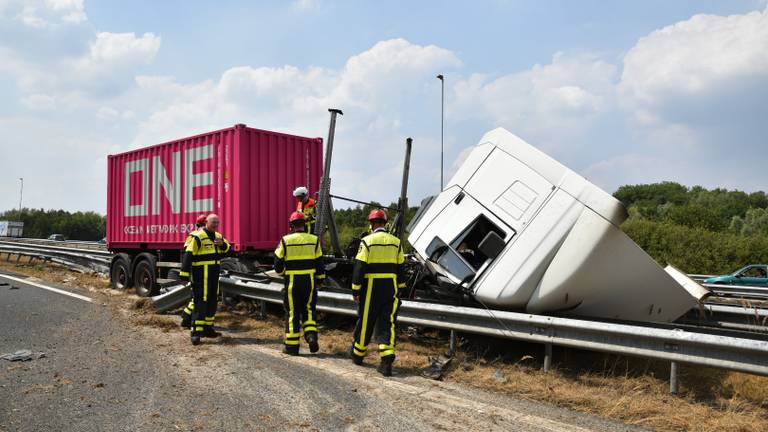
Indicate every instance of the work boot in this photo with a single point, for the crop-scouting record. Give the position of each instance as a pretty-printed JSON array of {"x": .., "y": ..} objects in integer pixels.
[
  {"x": 291, "y": 350},
  {"x": 195, "y": 339},
  {"x": 186, "y": 320},
  {"x": 355, "y": 358},
  {"x": 312, "y": 341},
  {"x": 385, "y": 367},
  {"x": 209, "y": 332}
]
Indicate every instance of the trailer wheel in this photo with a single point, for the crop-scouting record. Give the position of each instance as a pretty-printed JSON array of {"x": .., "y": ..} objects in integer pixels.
[
  {"x": 144, "y": 278},
  {"x": 119, "y": 275}
]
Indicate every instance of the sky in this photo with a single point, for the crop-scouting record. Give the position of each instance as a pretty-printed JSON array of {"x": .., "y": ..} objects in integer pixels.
[{"x": 622, "y": 92}]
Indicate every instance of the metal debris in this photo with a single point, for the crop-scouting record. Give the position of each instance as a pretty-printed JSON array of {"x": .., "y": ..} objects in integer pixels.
[
  {"x": 438, "y": 367},
  {"x": 23, "y": 355}
]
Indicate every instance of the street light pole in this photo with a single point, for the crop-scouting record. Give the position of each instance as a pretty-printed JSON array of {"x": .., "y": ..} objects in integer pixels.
[
  {"x": 21, "y": 194},
  {"x": 442, "y": 124}
]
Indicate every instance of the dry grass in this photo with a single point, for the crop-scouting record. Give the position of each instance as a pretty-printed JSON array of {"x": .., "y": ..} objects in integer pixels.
[{"x": 633, "y": 391}]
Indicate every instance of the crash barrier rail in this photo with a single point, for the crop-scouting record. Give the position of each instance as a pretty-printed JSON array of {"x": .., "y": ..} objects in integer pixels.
[
  {"x": 750, "y": 292},
  {"x": 674, "y": 345},
  {"x": 77, "y": 259},
  {"x": 77, "y": 244}
]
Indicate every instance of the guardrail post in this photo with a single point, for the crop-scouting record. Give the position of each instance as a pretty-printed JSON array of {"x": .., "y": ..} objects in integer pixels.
[
  {"x": 452, "y": 344},
  {"x": 263, "y": 309},
  {"x": 673, "y": 385},
  {"x": 547, "y": 357}
]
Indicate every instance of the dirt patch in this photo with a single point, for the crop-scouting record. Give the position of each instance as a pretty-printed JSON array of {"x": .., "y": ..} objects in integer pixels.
[{"x": 634, "y": 391}]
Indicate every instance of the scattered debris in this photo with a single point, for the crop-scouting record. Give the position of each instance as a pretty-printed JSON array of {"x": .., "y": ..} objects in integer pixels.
[
  {"x": 499, "y": 376},
  {"x": 3, "y": 283},
  {"x": 438, "y": 367},
  {"x": 23, "y": 355},
  {"x": 13, "y": 287}
]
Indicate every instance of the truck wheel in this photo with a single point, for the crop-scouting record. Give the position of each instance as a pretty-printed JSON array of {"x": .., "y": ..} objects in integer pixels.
[
  {"x": 119, "y": 275},
  {"x": 144, "y": 278}
]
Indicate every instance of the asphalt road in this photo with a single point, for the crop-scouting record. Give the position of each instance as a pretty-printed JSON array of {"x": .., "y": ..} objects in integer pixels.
[{"x": 101, "y": 374}]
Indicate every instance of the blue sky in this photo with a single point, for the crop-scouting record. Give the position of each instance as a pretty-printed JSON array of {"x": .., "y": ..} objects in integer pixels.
[{"x": 622, "y": 92}]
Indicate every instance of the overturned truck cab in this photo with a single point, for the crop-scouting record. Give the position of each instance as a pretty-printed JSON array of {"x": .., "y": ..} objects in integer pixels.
[{"x": 515, "y": 229}]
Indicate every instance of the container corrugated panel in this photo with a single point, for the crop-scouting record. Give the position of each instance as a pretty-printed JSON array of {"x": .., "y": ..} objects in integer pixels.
[{"x": 244, "y": 175}]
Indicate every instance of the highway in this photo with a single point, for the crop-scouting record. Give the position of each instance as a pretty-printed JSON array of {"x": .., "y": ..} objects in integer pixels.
[{"x": 101, "y": 373}]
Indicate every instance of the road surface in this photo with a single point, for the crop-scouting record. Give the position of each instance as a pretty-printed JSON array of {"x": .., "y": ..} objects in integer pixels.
[{"x": 100, "y": 373}]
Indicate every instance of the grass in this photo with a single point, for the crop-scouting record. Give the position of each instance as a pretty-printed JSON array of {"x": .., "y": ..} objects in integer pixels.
[{"x": 634, "y": 391}]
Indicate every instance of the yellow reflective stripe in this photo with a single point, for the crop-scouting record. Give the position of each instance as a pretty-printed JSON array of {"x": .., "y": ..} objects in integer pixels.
[
  {"x": 365, "y": 311},
  {"x": 360, "y": 353},
  {"x": 292, "y": 342},
  {"x": 300, "y": 272},
  {"x": 290, "y": 305},
  {"x": 401, "y": 285},
  {"x": 183, "y": 273},
  {"x": 380, "y": 275},
  {"x": 392, "y": 323},
  {"x": 204, "y": 263},
  {"x": 322, "y": 276},
  {"x": 356, "y": 287},
  {"x": 310, "y": 319},
  {"x": 205, "y": 283},
  {"x": 200, "y": 322},
  {"x": 199, "y": 329}
]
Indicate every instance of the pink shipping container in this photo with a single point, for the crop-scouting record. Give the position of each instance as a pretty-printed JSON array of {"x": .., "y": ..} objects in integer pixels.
[{"x": 245, "y": 175}]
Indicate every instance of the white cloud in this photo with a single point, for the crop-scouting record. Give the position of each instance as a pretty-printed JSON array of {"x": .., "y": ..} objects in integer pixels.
[
  {"x": 41, "y": 14},
  {"x": 39, "y": 102},
  {"x": 110, "y": 51},
  {"x": 547, "y": 101},
  {"x": 695, "y": 61}
]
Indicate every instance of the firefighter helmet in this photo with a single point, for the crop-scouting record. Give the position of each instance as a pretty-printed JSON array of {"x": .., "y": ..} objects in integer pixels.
[
  {"x": 300, "y": 191},
  {"x": 377, "y": 214},
  {"x": 296, "y": 217}
]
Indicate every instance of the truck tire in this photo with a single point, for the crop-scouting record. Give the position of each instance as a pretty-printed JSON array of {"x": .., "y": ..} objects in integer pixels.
[
  {"x": 145, "y": 276},
  {"x": 119, "y": 272}
]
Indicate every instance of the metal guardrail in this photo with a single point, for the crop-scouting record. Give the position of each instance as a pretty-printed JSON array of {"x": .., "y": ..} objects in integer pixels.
[
  {"x": 745, "y": 291},
  {"x": 77, "y": 244},
  {"x": 726, "y": 352},
  {"x": 97, "y": 261}
]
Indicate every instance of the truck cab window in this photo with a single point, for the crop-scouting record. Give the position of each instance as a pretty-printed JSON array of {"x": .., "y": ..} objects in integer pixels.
[
  {"x": 450, "y": 259},
  {"x": 467, "y": 244}
]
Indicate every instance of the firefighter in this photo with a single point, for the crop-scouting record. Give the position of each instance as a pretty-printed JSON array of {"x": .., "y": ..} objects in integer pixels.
[
  {"x": 306, "y": 205},
  {"x": 186, "y": 314},
  {"x": 376, "y": 277},
  {"x": 201, "y": 265},
  {"x": 299, "y": 259}
]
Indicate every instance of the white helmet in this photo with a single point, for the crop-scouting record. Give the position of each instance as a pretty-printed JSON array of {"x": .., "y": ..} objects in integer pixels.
[{"x": 299, "y": 191}]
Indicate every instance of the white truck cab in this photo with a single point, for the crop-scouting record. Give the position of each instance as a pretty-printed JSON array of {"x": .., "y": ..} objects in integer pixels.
[{"x": 518, "y": 230}]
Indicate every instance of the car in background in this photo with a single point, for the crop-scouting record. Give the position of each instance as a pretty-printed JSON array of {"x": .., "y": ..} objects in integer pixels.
[
  {"x": 754, "y": 274},
  {"x": 56, "y": 237}
]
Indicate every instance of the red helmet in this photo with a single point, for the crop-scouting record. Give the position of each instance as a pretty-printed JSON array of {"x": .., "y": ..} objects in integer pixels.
[
  {"x": 296, "y": 216},
  {"x": 200, "y": 221},
  {"x": 377, "y": 214}
]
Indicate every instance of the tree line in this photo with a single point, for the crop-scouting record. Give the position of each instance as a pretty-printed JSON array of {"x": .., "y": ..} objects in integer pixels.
[
  {"x": 696, "y": 229},
  {"x": 40, "y": 223}
]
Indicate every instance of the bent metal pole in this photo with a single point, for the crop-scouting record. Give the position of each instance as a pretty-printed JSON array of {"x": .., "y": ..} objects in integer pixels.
[{"x": 325, "y": 182}]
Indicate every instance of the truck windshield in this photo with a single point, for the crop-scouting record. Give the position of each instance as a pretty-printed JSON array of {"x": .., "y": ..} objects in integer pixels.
[
  {"x": 467, "y": 244},
  {"x": 450, "y": 259}
]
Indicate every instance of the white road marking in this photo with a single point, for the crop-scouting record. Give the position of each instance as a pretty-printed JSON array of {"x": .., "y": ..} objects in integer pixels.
[{"x": 45, "y": 287}]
